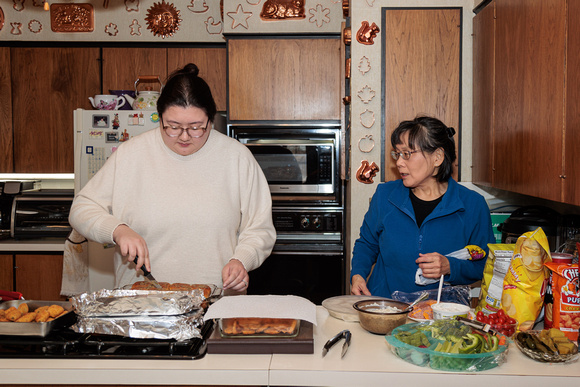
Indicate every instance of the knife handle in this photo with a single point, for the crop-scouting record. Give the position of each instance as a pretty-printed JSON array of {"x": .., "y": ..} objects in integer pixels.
[{"x": 143, "y": 268}]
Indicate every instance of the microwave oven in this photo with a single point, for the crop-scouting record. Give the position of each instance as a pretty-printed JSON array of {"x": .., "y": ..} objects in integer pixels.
[{"x": 297, "y": 161}]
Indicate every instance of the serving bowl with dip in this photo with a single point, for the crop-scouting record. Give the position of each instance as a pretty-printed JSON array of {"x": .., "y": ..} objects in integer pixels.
[
  {"x": 381, "y": 316},
  {"x": 443, "y": 310}
]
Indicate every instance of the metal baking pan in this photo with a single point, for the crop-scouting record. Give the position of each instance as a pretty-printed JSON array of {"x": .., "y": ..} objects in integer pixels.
[{"x": 40, "y": 329}]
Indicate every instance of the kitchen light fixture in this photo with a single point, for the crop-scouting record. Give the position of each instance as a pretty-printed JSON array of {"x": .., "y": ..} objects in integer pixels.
[{"x": 46, "y": 6}]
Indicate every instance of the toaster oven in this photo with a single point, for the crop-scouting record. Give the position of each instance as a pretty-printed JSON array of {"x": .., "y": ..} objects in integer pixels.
[{"x": 41, "y": 215}]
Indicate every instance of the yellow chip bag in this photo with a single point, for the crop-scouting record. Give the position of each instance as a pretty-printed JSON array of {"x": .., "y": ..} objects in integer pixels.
[
  {"x": 496, "y": 266},
  {"x": 525, "y": 282}
]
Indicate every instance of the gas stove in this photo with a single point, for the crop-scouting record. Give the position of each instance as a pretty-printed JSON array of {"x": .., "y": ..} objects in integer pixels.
[{"x": 66, "y": 343}]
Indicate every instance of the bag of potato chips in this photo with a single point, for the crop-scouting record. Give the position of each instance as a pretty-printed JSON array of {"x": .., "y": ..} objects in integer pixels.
[
  {"x": 525, "y": 282},
  {"x": 496, "y": 267},
  {"x": 566, "y": 301}
]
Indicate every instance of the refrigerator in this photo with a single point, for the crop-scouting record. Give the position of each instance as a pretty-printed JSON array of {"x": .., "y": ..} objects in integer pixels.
[{"x": 97, "y": 134}]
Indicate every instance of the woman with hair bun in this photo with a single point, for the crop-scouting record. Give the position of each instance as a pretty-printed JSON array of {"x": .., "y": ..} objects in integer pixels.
[
  {"x": 415, "y": 222},
  {"x": 190, "y": 203}
]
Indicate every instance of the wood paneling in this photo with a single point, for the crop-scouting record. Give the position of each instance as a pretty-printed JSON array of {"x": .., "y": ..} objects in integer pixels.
[
  {"x": 123, "y": 66},
  {"x": 39, "y": 277},
  {"x": 284, "y": 79},
  {"x": 422, "y": 70},
  {"x": 6, "y": 133},
  {"x": 6, "y": 272},
  {"x": 48, "y": 84},
  {"x": 572, "y": 133},
  {"x": 212, "y": 68},
  {"x": 530, "y": 67},
  {"x": 483, "y": 95}
]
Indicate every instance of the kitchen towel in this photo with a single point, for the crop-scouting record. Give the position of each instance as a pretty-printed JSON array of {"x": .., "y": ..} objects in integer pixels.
[
  {"x": 75, "y": 265},
  {"x": 269, "y": 306}
]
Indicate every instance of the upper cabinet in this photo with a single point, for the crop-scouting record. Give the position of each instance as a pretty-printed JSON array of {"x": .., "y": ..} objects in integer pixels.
[
  {"x": 284, "y": 79},
  {"x": 123, "y": 66},
  {"x": 48, "y": 83},
  {"x": 531, "y": 89}
]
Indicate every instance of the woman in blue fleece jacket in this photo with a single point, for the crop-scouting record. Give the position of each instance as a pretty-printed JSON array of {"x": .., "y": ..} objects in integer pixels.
[{"x": 414, "y": 222}]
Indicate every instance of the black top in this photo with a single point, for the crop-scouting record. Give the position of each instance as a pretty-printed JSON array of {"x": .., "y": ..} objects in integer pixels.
[{"x": 423, "y": 208}]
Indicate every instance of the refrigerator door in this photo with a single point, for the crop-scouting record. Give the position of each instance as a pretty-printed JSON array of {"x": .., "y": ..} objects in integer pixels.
[{"x": 97, "y": 134}]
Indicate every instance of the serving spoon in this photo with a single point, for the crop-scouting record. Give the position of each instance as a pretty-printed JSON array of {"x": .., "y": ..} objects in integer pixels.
[{"x": 422, "y": 297}]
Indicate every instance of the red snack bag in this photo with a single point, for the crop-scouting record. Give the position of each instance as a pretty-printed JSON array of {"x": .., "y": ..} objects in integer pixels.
[{"x": 566, "y": 293}]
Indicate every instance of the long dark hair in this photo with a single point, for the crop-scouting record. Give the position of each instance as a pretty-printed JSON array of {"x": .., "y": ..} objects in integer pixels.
[
  {"x": 186, "y": 88},
  {"x": 427, "y": 134}
]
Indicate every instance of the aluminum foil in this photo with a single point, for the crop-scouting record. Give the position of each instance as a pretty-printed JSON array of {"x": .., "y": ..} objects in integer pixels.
[
  {"x": 182, "y": 327},
  {"x": 120, "y": 302}
]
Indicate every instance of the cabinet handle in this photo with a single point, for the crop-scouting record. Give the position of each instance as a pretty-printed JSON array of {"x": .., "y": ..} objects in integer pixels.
[{"x": 562, "y": 176}]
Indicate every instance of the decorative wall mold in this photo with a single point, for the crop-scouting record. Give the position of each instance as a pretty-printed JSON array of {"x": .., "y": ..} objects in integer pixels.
[{"x": 71, "y": 17}]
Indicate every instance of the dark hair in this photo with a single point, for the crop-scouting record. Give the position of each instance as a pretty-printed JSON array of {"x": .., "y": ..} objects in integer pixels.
[
  {"x": 185, "y": 88},
  {"x": 427, "y": 134}
]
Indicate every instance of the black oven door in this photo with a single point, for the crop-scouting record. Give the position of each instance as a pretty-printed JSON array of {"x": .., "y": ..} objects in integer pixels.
[{"x": 314, "y": 275}]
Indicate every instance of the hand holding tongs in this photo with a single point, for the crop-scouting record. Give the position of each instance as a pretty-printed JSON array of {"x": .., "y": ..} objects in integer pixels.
[{"x": 340, "y": 335}]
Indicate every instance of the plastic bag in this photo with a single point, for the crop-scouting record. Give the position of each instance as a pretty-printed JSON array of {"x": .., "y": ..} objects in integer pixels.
[{"x": 459, "y": 294}]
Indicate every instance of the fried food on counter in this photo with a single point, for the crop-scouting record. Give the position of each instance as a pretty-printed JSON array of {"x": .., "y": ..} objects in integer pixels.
[
  {"x": 257, "y": 326},
  {"x": 23, "y": 313},
  {"x": 55, "y": 310},
  {"x": 28, "y": 317}
]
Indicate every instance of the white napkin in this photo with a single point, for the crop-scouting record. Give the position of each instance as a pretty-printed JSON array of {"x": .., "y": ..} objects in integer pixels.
[
  {"x": 459, "y": 254},
  {"x": 75, "y": 265},
  {"x": 269, "y": 306}
]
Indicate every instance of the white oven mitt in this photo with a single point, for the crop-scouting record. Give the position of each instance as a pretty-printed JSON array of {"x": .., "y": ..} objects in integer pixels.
[
  {"x": 75, "y": 265},
  {"x": 471, "y": 252}
]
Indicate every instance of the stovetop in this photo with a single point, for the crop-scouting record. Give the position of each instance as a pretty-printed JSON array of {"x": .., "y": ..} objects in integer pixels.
[{"x": 71, "y": 345}]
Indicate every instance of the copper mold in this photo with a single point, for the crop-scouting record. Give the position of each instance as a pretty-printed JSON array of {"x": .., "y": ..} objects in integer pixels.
[
  {"x": 163, "y": 19},
  {"x": 347, "y": 36},
  {"x": 367, "y": 33},
  {"x": 366, "y": 172},
  {"x": 283, "y": 9},
  {"x": 1, "y": 18},
  {"x": 69, "y": 17}
]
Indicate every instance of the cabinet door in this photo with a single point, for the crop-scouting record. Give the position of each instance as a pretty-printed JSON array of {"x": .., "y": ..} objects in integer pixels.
[
  {"x": 421, "y": 70},
  {"x": 529, "y": 114},
  {"x": 39, "y": 277},
  {"x": 6, "y": 136},
  {"x": 122, "y": 67},
  {"x": 6, "y": 272},
  {"x": 48, "y": 84},
  {"x": 483, "y": 89},
  {"x": 572, "y": 133},
  {"x": 212, "y": 68},
  {"x": 284, "y": 79}
]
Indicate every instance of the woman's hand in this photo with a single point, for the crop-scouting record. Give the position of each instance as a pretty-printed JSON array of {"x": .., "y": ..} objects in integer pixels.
[
  {"x": 132, "y": 245},
  {"x": 433, "y": 265},
  {"x": 235, "y": 276},
  {"x": 359, "y": 286}
]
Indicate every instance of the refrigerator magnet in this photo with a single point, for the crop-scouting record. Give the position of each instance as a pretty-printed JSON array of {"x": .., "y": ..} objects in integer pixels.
[{"x": 112, "y": 137}]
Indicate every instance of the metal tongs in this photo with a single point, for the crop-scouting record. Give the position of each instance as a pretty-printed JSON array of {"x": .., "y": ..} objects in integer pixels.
[{"x": 340, "y": 335}]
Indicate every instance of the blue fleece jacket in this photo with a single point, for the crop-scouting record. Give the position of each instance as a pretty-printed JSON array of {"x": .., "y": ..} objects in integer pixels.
[{"x": 391, "y": 240}]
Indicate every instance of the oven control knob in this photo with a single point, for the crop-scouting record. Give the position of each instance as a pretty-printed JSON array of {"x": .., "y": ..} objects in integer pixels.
[
  {"x": 305, "y": 222},
  {"x": 316, "y": 222}
]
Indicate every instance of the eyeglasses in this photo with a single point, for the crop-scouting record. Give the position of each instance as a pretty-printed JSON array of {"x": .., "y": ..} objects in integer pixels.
[
  {"x": 177, "y": 131},
  {"x": 405, "y": 154}
]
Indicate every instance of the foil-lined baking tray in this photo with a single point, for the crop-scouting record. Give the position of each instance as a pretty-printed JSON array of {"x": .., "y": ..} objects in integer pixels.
[
  {"x": 120, "y": 302},
  {"x": 182, "y": 327},
  {"x": 40, "y": 329}
]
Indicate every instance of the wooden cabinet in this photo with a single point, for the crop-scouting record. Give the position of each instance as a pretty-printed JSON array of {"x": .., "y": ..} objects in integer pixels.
[
  {"x": 6, "y": 272},
  {"x": 534, "y": 85},
  {"x": 39, "y": 277},
  {"x": 483, "y": 90},
  {"x": 48, "y": 83},
  {"x": 6, "y": 134},
  {"x": 421, "y": 70},
  {"x": 123, "y": 66},
  {"x": 284, "y": 79},
  {"x": 36, "y": 276}
]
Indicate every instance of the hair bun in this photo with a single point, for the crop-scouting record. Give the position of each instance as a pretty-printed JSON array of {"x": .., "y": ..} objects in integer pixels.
[
  {"x": 190, "y": 68},
  {"x": 450, "y": 131}
]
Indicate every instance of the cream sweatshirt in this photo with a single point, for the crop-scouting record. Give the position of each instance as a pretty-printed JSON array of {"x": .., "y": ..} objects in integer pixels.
[{"x": 195, "y": 212}]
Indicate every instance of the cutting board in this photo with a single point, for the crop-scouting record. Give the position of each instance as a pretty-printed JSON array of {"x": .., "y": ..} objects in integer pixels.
[{"x": 302, "y": 343}]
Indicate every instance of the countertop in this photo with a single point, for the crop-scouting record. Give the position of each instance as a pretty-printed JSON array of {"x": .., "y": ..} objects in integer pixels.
[
  {"x": 367, "y": 363},
  {"x": 32, "y": 245}
]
